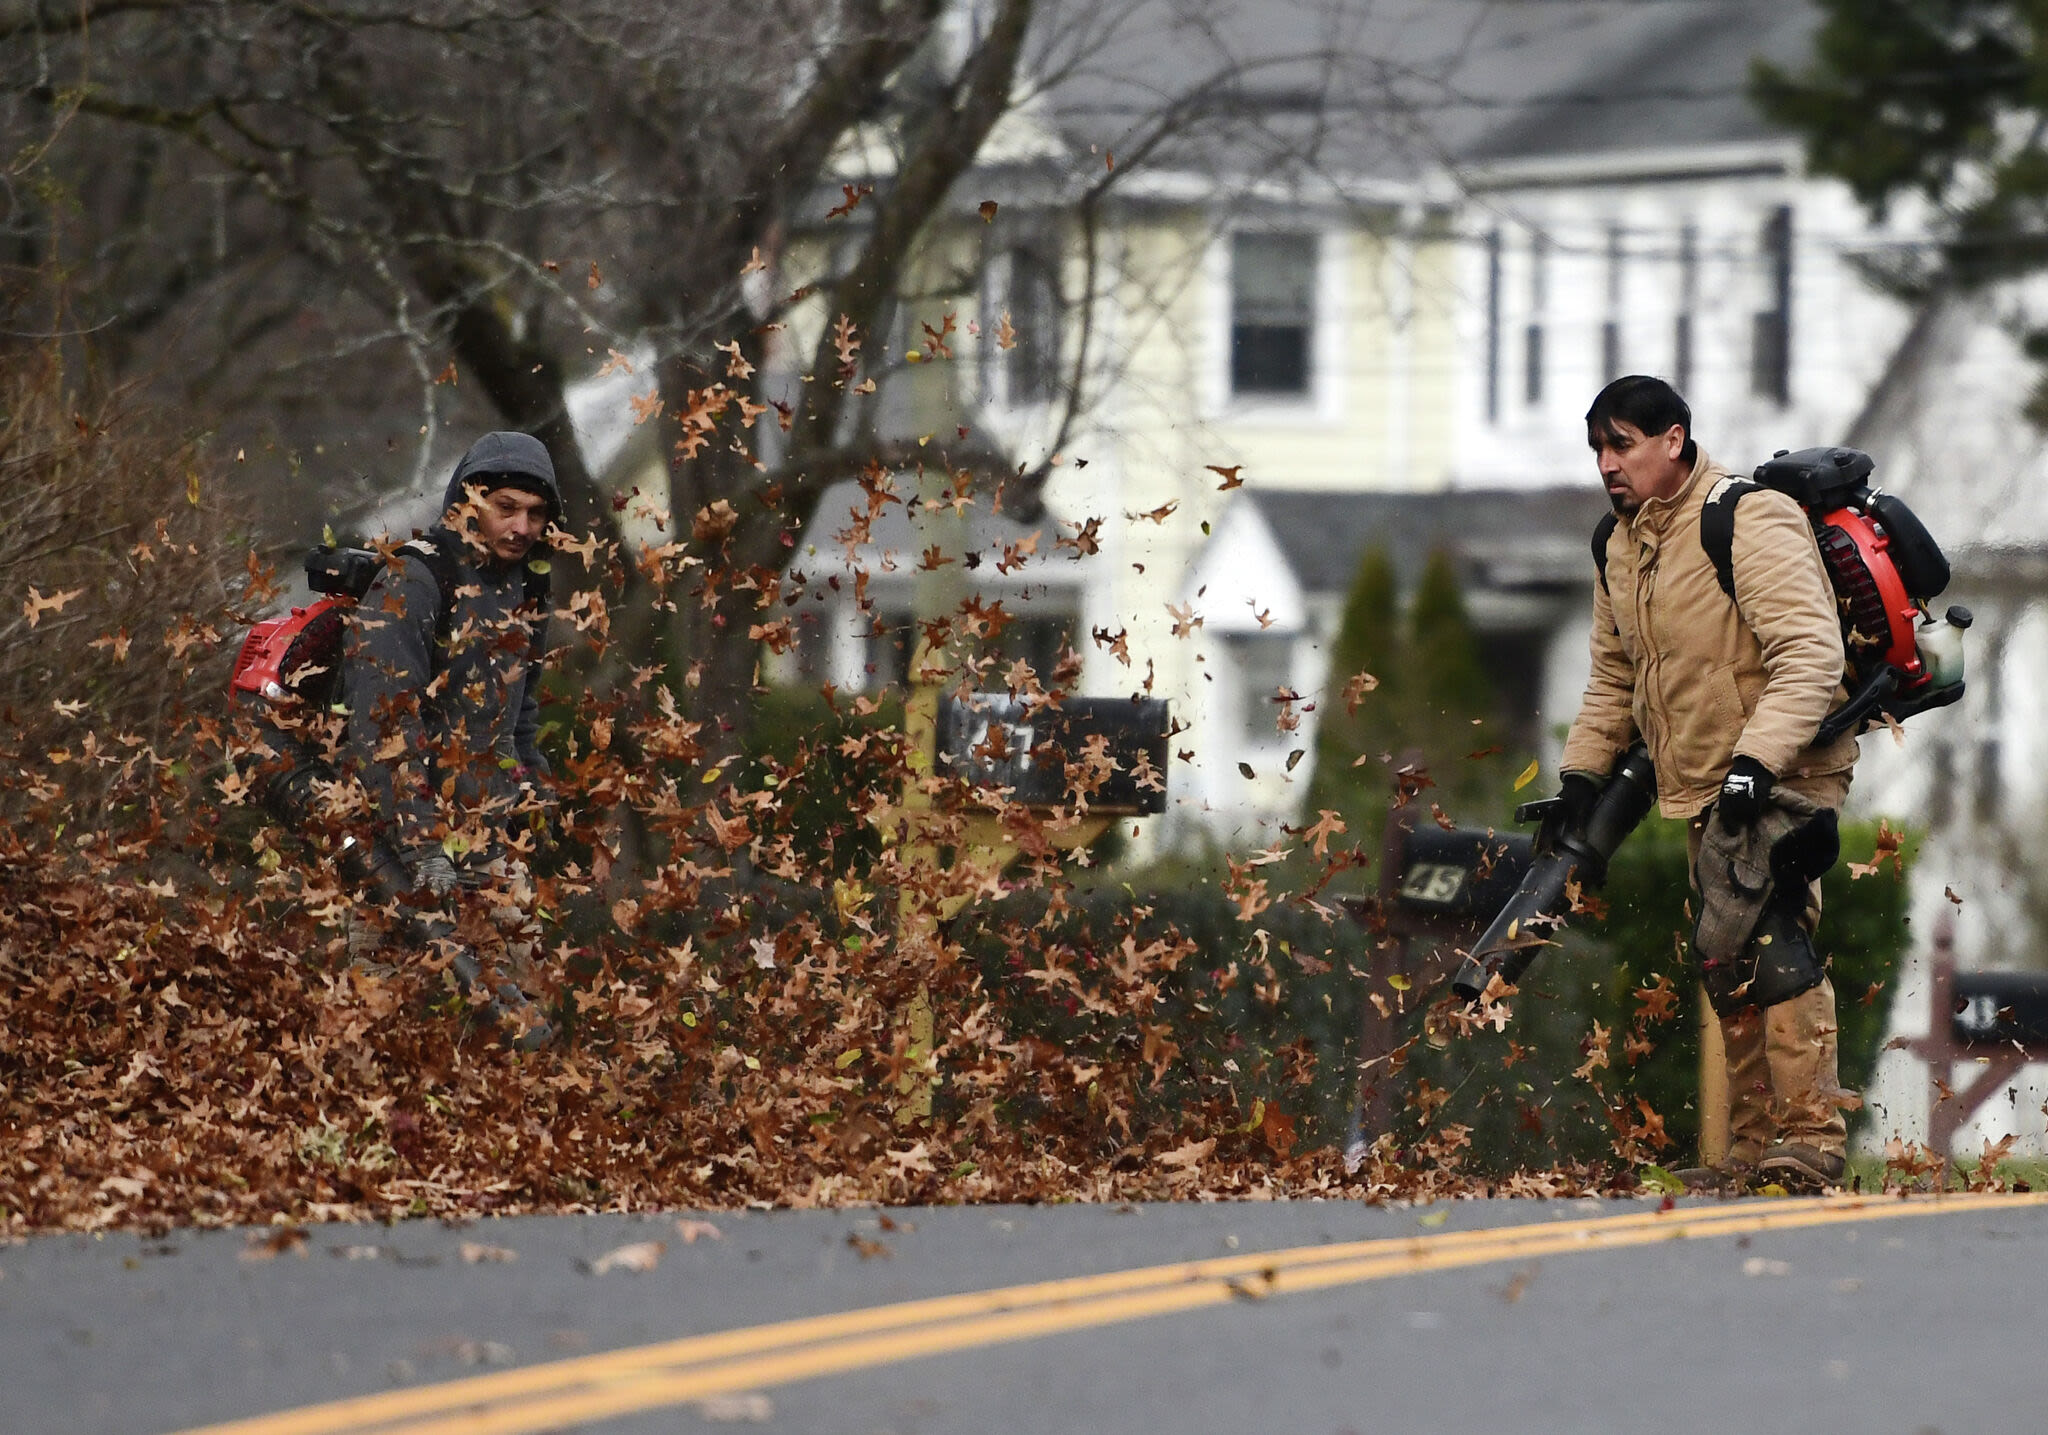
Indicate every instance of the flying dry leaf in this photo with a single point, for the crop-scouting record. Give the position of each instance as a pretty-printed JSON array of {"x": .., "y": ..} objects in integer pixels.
[
  {"x": 988, "y": 211},
  {"x": 1230, "y": 478},
  {"x": 476, "y": 1253},
  {"x": 854, "y": 193},
  {"x": 38, "y": 605},
  {"x": 1355, "y": 689},
  {"x": 1327, "y": 825}
]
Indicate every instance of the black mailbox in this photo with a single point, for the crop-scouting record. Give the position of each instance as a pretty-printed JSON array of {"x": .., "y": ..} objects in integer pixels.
[
  {"x": 1461, "y": 873},
  {"x": 993, "y": 740},
  {"x": 1996, "y": 1007}
]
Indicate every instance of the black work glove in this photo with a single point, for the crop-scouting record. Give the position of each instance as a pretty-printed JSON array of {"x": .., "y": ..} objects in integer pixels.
[
  {"x": 1744, "y": 791},
  {"x": 1568, "y": 811},
  {"x": 431, "y": 871},
  {"x": 1578, "y": 791}
]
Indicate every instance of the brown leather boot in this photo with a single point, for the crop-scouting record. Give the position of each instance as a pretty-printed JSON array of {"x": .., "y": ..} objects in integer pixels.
[
  {"x": 1731, "y": 1178},
  {"x": 1799, "y": 1167}
]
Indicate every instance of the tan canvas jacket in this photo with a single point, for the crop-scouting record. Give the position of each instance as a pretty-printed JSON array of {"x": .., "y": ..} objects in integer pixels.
[{"x": 1700, "y": 678}]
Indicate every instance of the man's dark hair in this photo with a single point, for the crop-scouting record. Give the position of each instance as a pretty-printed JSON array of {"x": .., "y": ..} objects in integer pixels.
[{"x": 1649, "y": 404}]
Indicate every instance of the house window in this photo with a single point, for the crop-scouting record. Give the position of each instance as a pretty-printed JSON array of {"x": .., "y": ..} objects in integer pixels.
[
  {"x": 1688, "y": 299},
  {"x": 1493, "y": 327},
  {"x": 1610, "y": 331},
  {"x": 1022, "y": 286},
  {"x": 1272, "y": 313},
  {"x": 1036, "y": 638},
  {"x": 891, "y": 638},
  {"x": 1264, "y": 664},
  {"x": 1770, "y": 354},
  {"x": 1539, "y": 300},
  {"x": 1033, "y": 362}
]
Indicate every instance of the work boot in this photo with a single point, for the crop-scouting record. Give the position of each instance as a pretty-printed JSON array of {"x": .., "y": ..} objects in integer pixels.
[
  {"x": 365, "y": 941},
  {"x": 1731, "y": 1178},
  {"x": 518, "y": 1021},
  {"x": 1799, "y": 1167}
]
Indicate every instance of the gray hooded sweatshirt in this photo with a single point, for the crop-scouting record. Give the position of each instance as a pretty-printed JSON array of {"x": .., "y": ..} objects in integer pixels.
[{"x": 469, "y": 712}]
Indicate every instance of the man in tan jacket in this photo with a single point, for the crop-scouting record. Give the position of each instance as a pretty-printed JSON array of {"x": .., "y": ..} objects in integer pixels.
[{"x": 1728, "y": 696}]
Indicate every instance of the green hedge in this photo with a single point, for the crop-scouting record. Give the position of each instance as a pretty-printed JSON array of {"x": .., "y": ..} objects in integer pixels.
[{"x": 1535, "y": 1112}]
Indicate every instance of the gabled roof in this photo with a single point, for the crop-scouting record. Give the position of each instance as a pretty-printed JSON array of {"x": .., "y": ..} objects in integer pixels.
[
  {"x": 1413, "y": 86},
  {"x": 1511, "y": 540},
  {"x": 1949, "y": 429}
]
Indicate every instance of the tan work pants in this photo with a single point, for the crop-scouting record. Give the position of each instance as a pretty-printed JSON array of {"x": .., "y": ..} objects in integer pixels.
[{"x": 1782, "y": 1075}]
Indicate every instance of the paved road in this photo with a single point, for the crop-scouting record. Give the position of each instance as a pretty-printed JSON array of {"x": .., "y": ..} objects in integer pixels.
[{"x": 1475, "y": 1316}]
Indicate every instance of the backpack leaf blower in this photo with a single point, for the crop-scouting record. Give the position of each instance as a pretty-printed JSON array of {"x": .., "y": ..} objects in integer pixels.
[{"x": 1885, "y": 568}]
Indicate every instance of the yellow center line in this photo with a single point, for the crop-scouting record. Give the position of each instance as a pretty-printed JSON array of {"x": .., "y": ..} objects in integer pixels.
[{"x": 596, "y": 1387}]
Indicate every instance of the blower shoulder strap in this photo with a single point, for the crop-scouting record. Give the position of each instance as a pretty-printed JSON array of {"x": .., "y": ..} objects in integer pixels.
[
  {"x": 538, "y": 589},
  {"x": 447, "y": 571},
  {"x": 535, "y": 586},
  {"x": 1717, "y": 529},
  {"x": 1602, "y": 531}
]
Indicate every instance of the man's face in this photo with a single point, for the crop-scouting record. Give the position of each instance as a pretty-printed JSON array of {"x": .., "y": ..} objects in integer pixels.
[
  {"x": 509, "y": 521},
  {"x": 1636, "y": 466}
]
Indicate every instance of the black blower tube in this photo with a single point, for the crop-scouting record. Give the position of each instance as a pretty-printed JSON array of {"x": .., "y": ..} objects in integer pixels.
[{"x": 1506, "y": 948}]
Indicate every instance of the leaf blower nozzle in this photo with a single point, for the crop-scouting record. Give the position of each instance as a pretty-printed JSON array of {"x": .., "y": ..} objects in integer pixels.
[{"x": 1564, "y": 856}]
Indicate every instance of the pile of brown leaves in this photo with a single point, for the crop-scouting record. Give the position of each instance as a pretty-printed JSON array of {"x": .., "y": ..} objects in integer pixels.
[
  {"x": 176, "y": 1050},
  {"x": 735, "y": 951}
]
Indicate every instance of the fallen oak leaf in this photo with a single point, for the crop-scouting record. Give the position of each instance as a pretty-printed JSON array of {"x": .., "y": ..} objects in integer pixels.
[
  {"x": 1188, "y": 1156},
  {"x": 636, "y": 1259},
  {"x": 269, "y": 1247}
]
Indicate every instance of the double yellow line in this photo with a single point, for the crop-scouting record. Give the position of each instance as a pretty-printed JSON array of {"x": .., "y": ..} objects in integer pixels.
[{"x": 598, "y": 1387}]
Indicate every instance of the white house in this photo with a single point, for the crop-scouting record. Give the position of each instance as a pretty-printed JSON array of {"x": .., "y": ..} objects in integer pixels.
[
  {"x": 1614, "y": 206},
  {"x": 1948, "y": 430}
]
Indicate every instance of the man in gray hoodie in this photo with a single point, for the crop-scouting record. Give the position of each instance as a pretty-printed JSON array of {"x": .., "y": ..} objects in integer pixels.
[{"x": 441, "y": 681}]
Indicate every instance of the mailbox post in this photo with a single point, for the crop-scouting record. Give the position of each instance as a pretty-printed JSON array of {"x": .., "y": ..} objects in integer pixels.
[
  {"x": 1437, "y": 891},
  {"x": 1024, "y": 751},
  {"x": 1996, "y": 1021}
]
